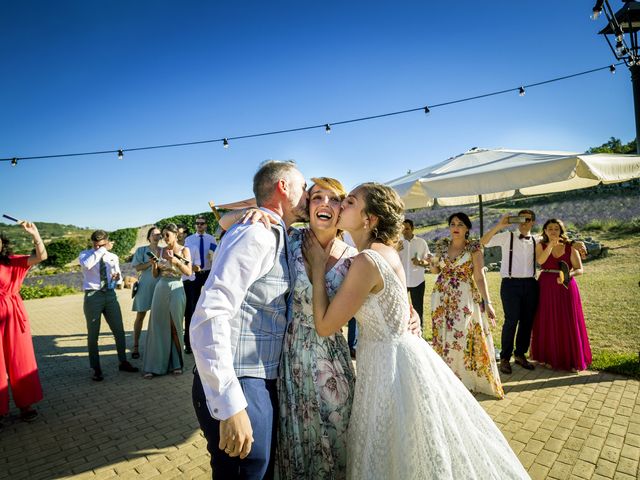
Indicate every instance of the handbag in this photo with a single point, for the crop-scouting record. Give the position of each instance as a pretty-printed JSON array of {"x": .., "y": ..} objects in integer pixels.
[{"x": 134, "y": 289}]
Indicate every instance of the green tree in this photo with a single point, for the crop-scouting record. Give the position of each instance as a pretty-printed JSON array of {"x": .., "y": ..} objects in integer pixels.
[
  {"x": 614, "y": 145},
  {"x": 63, "y": 250},
  {"x": 123, "y": 241}
]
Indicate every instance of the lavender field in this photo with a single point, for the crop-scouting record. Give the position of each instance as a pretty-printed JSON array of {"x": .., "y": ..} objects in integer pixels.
[{"x": 589, "y": 212}]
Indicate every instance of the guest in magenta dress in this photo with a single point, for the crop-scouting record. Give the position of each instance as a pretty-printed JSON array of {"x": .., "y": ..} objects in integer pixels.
[
  {"x": 559, "y": 338},
  {"x": 17, "y": 360}
]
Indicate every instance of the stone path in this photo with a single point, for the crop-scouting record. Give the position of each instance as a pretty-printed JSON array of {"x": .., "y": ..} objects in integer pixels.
[{"x": 561, "y": 425}]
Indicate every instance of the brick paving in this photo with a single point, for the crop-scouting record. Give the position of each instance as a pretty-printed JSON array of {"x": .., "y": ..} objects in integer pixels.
[{"x": 561, "y": 425}]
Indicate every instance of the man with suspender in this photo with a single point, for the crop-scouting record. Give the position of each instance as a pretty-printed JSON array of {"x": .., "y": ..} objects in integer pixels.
[{"x": 519, "y": 288}]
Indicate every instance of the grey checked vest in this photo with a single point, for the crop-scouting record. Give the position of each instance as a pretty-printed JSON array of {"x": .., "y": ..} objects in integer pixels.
[{"x": 263, "y": 317}]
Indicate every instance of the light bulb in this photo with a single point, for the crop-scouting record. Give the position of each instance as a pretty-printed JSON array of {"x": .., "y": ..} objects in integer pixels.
[
  {"x": 426, "y": 109},
  {"x": 14, "y": 162},
  {"x": 521, "y": 91},
  {"x": 327, "y": 128},
  {"x": 120, "y": 154},
  {"x": 225, "y": 143},
  {"x": 612, "y": 68}
]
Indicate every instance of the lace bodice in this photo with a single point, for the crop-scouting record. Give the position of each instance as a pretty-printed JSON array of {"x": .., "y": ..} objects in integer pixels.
[{"x": 384, "y": 315}]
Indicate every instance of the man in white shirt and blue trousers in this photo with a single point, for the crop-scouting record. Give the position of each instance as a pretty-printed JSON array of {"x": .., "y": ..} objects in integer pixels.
[
  {"x": 101, "y": 274},
  {"x": 519, "y": 287},
  {"x": 200, "y": 245},
  {"x": 414, "y": 255},
  {"x": 238, "y": 327}
]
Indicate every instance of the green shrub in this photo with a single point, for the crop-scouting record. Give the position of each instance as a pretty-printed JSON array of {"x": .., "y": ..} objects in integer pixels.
[
  {"x": 62, "y": 251},
  {"x": 123, "y": 241},
  {"x": 189, "y": 221},
  {"x": 29, "y": 292}
]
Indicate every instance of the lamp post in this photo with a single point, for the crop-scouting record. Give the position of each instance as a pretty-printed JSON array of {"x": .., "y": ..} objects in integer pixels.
[{"x": 622, "y": 27}]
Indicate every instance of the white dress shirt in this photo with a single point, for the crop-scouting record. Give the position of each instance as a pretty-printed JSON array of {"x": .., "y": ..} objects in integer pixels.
[
  {"x": 522, "y": 260},
  {"x": 246, "y": 253},
  {"x": 415, "y": 248},
  {"x": 90, "y": 263},
  {"x": 192, "y": 242}
]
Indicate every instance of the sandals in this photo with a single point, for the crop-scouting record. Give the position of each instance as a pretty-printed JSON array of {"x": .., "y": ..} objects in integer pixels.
[
  {"x": 177, "y": 371},
  {"x": 148, "y": 376},
  {"x": 135, "y": 354}
]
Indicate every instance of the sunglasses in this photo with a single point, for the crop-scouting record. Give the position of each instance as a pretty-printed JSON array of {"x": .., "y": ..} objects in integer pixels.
[
  {"x": 201, "y": 223},
  {"x": 527, "y": 220}
]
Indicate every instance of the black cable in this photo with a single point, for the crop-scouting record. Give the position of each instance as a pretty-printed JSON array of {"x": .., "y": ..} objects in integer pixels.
[{"x": 14, "y": 160}]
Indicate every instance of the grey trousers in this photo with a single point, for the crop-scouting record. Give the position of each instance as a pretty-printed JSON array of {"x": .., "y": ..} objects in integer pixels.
[{"x": 96, "y": 304}]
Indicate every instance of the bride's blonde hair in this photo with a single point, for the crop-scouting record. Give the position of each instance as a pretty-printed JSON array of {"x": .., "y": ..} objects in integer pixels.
[{"x": 383, "y": 202}]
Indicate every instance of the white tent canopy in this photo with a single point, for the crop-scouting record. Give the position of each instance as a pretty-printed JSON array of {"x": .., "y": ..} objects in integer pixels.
[{"x": 500, "y": 173}]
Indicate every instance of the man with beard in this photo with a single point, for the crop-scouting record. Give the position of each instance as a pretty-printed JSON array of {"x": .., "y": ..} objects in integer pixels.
[{"x": 238, "y": 327}]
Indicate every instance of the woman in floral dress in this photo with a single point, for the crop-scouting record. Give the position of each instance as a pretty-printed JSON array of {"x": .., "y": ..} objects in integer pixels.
[
  {"x": 460, "y": 305},
  {"x": 316, "y": 379}
]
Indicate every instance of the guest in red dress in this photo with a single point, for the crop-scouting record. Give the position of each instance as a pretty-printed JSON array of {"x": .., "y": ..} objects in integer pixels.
[
  {"x": 559, "y": 338},
  {"x": 17, "y": 359}
]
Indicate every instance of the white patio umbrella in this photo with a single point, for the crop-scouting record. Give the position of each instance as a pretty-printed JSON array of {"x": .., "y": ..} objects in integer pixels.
[{"x": 481, "y": 175}]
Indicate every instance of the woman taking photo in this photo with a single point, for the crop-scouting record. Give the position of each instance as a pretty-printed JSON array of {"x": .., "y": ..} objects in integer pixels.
[
  {"x": 164, "y": 334},
  {"x": 17, "y": 359},
  {"x": 146, "y": 283},
  {"x": 559, "y": 338},
  {"x": 461, "y": 308}
]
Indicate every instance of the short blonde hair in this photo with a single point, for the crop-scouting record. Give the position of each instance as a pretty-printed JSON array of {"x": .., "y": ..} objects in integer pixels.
[{"x": 329, "y": 184}]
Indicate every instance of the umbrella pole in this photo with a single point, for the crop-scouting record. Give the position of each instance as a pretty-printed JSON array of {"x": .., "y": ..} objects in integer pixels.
[{"x": 481, "y": 216}]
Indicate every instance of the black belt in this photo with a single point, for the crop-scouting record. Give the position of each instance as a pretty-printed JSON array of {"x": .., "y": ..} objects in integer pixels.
[{"x": 203, "y": 272}]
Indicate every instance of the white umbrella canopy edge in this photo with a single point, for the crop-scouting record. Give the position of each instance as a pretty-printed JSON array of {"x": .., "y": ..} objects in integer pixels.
[{"x": 497, "y": 174}]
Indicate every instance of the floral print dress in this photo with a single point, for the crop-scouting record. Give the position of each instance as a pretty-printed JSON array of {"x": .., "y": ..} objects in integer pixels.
[
  {"x": 461, "y": 334},
  {"x": 315, "y": 384}
]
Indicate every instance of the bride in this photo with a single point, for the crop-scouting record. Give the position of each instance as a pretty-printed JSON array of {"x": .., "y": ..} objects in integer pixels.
[{"x": 411, "y": 416}]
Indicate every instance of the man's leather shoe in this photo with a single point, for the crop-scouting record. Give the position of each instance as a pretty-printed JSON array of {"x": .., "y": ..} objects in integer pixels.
[
  {"x": 523, "y": 362},
  {"x": 127, "y": 367},
  {"x": 505, "y": 366},
  {"x": 188, "y": 350},
  {"x": 97, "y": 375}
]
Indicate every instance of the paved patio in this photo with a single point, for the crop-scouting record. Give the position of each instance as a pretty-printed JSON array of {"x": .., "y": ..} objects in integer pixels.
[{"x": 561, "y": 425}]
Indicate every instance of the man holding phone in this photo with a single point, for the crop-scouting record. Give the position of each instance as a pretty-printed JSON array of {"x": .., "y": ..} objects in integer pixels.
[
  {"x": 101, "y": 274},
  {"x": 519, "y": 287},
  {"x": 414, "y": 255}
]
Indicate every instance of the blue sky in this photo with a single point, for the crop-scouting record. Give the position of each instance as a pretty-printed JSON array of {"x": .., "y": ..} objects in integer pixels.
[{"x": 84, "y": 76}]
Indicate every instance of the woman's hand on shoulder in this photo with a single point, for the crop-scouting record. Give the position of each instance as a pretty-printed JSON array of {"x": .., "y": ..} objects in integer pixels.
[{"x": 255, "y": 215}]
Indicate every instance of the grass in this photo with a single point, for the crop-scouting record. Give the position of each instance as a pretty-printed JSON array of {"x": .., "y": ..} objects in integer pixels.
[{"x": 611, "y": 301}]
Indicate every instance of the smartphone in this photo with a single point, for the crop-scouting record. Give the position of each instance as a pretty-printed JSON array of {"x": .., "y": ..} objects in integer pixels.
[
  {"x": 516, "y": 219},
  {"x": 152, "y": 255},
  {"x": 9, "y": 217}
]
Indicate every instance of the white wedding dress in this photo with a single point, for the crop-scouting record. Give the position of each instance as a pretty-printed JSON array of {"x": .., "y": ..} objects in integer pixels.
[{"x": 412, "y": 418}]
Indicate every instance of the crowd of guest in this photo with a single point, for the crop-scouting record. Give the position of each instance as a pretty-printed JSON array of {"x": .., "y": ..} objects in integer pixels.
[{"x": 542, "y": 309}]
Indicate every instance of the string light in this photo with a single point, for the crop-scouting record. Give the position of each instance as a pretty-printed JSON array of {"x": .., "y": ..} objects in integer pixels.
[
  {"x": 597, "y": 10},
  {"x": 612, "y": 68},
  {"x": 327, "y": 127}
]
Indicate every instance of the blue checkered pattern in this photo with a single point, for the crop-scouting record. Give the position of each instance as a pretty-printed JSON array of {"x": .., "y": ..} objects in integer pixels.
[{"x": 263, "y": 318}]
